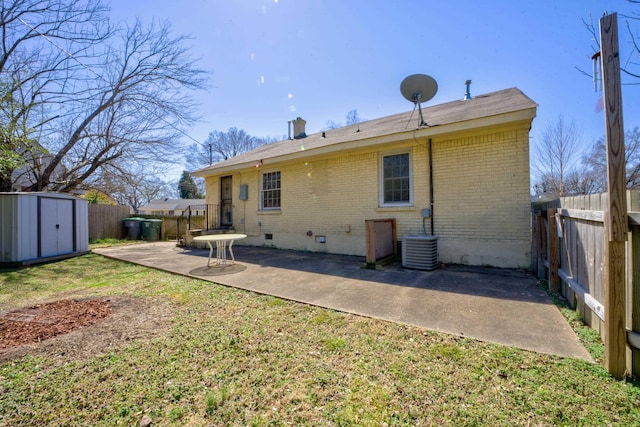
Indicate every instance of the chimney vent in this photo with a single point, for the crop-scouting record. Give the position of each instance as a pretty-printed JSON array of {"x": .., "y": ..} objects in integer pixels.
[{"x": 298, "y": 128}]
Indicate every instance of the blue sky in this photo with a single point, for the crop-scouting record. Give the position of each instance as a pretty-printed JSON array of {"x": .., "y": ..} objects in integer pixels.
[{"x": 274, "y": 60}]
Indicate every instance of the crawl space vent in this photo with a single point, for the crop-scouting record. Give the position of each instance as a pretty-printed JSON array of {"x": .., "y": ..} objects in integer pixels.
[{"x": 420, "y": 252}]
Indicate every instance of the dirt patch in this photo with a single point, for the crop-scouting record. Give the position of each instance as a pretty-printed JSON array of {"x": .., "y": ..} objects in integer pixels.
[
  {"x": 40, "y": 322},
  {"x": 80, "y": 329}
]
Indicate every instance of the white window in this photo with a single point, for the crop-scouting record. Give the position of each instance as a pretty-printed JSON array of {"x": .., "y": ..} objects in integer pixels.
[
  {"x": 396, "y": 180},
  {"x": 270, "y": 191}
]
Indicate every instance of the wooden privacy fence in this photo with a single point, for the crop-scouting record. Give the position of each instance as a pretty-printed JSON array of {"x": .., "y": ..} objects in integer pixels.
[
  {"x": 175, "y": 227},
  {"x": 568, "y": 249},
  {"x": 105, "y": 221}
]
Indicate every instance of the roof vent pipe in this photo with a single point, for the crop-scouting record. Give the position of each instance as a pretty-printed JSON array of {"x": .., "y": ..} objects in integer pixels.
[
  {"x": 467, "y": 95},
  {"x": 289, "y": 129}
]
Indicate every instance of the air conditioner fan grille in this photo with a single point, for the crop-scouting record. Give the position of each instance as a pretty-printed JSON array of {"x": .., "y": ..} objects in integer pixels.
[{"x": 420, "y": 252}]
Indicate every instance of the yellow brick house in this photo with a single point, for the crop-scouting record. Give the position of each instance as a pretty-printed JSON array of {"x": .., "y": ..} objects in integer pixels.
[{"x": 464, "y": 176}]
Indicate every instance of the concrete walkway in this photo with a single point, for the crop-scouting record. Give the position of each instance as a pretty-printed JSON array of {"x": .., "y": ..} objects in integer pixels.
[{"x": 494, "y": 305}]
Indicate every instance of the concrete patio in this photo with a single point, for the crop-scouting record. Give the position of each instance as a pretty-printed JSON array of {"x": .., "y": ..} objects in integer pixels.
[{"x": 493, "y": 305}]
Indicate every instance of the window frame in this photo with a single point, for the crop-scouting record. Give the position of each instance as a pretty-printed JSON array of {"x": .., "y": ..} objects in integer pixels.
[
  {"x": 262, "y": 191},
  {"x": 381, "y": 178}
]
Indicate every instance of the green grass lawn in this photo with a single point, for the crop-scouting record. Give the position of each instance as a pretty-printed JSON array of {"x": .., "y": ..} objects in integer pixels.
[{"x": 233, "y": 357}]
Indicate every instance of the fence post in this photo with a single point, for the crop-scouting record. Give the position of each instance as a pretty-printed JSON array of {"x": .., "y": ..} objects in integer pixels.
[
  {"x": 614, "y": 306},
  {"x": 554, "y": 254},
  {"x": 616, "y": 225}
]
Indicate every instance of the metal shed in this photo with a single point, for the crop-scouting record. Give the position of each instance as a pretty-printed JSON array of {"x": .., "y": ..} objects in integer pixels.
[{"x": 41, "y": 227}]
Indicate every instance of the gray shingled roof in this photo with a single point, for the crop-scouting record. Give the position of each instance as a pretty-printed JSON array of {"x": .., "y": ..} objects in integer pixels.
[
  {"x": 491, "y": 104},
  {"x": 171, "y": 204}
]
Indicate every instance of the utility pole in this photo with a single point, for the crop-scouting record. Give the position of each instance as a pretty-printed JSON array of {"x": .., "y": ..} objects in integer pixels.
[{"x": 616, "y": 225}]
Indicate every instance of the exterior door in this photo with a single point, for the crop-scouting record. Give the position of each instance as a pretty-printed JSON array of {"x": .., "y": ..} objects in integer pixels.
[
  {"x": 226, "y": 201},
  {"x": 56, "y": 226}
]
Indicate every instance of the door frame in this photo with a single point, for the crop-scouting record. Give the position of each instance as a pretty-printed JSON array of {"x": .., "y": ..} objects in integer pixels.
[{"x": 55, "y": 216}]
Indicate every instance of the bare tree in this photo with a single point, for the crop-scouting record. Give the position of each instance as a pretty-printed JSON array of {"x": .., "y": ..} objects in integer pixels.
[
  {"x": 593, "y": 173},
  {"x": 330, "y": 124},
  {"x": 558, "y": 156},
  {"x": 97, "y": 96},
  {"x": 134, "y": 112},
  {"x": 220, "y": 146},
  {"x": 223, "y": 145},
  {"x": 630, "y": 69},
  {"x": 353, "y": 117},
  {"x": 596, "y": 161},
  {"x": 43, "y": 44},
  {"x": 231, "y": 143},
  {"x": 582, "y": 181},
  {"x": 133, "y": 188},
  {"x": 13, "y": 140}
]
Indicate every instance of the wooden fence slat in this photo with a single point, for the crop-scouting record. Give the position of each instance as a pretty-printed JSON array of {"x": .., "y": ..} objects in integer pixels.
[
  {"x": 105, "y": 221},
  {"x": 554, "y": 254},
  {"x": 570, "y": 245},
  {"x": 635, "y": 298},
  {"x": 535, "y": 238},
  {"x": 582, "y": 293},
  {"x": 541, "y": 247},
  {"x": 596, "y": 216},
  {"x": 591, "y": 281},
  {"x": 580, "y": 264},
  {"x": 634, "y": 340},
  {"x": 599, "y": 239}
]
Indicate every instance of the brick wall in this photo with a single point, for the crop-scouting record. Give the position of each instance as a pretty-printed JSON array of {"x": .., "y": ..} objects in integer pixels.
[{"x": 481, "y": 199}]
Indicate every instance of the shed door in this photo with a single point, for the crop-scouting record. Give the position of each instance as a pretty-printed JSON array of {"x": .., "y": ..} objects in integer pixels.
[{"x": 56, "y": 226}]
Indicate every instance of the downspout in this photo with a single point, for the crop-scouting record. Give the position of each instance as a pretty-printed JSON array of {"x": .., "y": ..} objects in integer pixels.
[
  {"x": 244, "y": 207},
  {"x": 431, "y": 184}
]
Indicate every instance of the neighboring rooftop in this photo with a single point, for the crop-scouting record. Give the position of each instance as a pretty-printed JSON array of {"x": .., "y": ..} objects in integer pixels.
[
  {"x": 481, "y": 106},
  {"x": 171, "y": 204}
]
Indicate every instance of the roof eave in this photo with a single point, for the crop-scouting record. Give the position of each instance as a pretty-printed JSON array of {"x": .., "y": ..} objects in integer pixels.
[{"x": 421, "y": 132}]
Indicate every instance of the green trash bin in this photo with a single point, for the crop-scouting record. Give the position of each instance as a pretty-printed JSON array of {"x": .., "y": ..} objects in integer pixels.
[
  {"x": 133, "y": 228},
  {"x": 151, "y": 229}
]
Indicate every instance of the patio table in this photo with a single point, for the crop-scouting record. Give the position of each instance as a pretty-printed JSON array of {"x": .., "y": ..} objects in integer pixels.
[{"x": 221, "y": 241}]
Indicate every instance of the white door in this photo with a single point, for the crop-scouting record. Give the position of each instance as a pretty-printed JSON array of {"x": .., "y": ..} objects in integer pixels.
[{"x": 56, "y": 226}]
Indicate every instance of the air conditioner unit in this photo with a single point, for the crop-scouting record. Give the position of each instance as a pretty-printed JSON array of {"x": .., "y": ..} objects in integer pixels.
[{"x": 420, "y": 251}]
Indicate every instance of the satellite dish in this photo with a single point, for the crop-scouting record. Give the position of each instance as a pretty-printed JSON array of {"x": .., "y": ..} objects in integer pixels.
[{"x": 419, "y": 88}]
